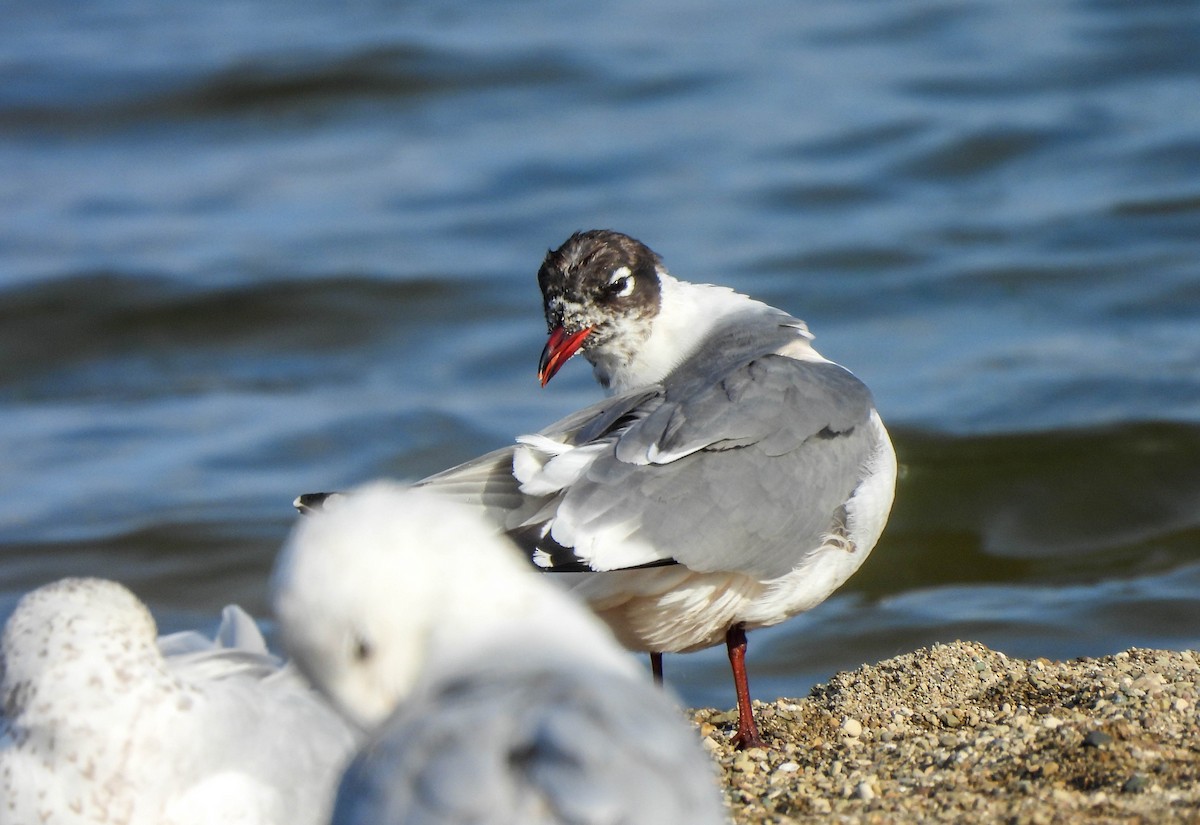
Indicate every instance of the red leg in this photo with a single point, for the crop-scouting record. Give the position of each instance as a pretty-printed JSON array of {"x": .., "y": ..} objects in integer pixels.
[
  {"x": 656, "y": 668},
  {"x": 747, "y": 735}
]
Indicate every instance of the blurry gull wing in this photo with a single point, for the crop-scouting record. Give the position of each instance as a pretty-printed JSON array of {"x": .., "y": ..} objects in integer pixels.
[
  {"x": 238, "y": 647},
  {"x": 537, "y": 745},
  {"x": 239, "y": 630}
]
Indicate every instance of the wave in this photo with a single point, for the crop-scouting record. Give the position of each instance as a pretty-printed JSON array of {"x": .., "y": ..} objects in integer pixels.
[
  {"x": 103, "y": 314},
  {"x": 269, "y": 84},
  {"x": 1054, "y": 506}
]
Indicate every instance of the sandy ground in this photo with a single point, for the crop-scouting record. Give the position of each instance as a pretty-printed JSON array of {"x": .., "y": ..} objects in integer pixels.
[{"x": 961, "y": 733}]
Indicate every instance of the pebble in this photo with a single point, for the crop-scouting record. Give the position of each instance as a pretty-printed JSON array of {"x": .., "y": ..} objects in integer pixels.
[
  {"x": 1135, "y": 784},
  {"x": 726, "y": 718},
  {"x": 949, "y": 718},
  {"x": 852, "y": 728},
  {"x": 745, "y": 764}
]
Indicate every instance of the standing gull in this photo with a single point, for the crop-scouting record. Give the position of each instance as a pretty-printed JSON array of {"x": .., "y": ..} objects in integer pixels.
[
  {"x": 104, "y": 723},
  {"x": 491, "y": 695},
  {"x": 735, "y": 477}
]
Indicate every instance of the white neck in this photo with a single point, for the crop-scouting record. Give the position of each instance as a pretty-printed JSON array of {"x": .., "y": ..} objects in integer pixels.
[{"x": 688, "y": 314}]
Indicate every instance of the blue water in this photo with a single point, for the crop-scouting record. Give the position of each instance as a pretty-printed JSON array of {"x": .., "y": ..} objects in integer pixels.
[{"x": 249, "y": 249}]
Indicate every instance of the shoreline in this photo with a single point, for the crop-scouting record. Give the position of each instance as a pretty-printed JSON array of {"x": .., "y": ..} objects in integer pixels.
[{"x": 958, "y": 732}]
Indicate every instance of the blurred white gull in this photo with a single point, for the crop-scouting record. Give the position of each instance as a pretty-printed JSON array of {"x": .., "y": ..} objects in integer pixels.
[
  {"x": 493, "y": 696},
  {"x": 102, "y": 725}
]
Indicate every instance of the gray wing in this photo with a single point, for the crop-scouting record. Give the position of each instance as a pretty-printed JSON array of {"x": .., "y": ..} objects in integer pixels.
[
  {"x": 735, "y": 472},
  {"x": 487, "y": 483},
  {"x": 741, "y": 474},
  {"x": 773, "y": 402},
  {"x": 540, "y": 746}
]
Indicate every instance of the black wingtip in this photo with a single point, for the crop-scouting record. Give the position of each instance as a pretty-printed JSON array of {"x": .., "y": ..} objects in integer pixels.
[
  {"x": 309, "y": 503},
  {"x": 549, "y": 556}
]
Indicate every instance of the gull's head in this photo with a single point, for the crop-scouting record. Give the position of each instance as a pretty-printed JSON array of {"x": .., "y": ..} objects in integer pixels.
[
  {"x": 600, "y": 291},
  {"x": 372, "y": 593}
]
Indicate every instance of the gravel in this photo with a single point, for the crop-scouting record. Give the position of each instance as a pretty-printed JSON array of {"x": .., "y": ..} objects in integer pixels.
[{"x": 959, "y": 732}]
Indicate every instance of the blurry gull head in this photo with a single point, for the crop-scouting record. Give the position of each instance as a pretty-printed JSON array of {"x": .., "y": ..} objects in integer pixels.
[
  {"x": 492, "y": 695},
  {"x": 394, "y": 585},
  {"x": 105, "y": 722}
]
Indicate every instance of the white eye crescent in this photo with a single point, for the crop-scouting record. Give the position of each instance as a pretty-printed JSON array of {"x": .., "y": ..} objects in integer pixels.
[{"x": 620, "y": 283}]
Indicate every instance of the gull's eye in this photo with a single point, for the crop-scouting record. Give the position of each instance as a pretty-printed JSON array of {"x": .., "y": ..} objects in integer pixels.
[
  {"x": 362, "y": 650},
  {"x": 620, "y": 283}
]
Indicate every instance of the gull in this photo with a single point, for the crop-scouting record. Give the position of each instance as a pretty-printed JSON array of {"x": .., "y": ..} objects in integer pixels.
[
  {"x": 734, "y": 477},
  {"x": 490, "y": 695},
  {"x": 105, "y": 723}
]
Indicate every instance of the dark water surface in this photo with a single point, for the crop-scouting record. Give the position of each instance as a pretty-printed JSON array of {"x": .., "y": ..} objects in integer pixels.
[{"x": 249, "y": 249}]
